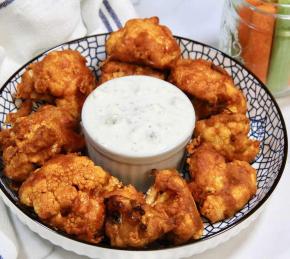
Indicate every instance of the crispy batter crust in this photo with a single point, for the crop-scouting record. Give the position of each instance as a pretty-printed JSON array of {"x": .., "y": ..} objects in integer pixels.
[
  {"x": 61, "y": 77},
  {"x": 167, "y": 212},
  {"x": 36, "y": 138},
  {"x": 228, "y": 133},
  {"x": 171, "y": 194},
  {"x": 67, "y": 193},
  {"x": 209, "y": 84},
  {"x": 144, "y": 41},
  {"x": 220, "y": 189},
  {"x": 131, "y": 222}
]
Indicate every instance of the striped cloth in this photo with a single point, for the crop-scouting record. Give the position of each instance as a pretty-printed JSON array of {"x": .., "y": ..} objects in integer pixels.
[
  {"x": 28, "y": 27},
  {"x": 106, "y": 13}
]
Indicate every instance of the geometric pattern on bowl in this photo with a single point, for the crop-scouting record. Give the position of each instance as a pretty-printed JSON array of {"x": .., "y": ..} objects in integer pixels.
[{"x": 267, "y": 124}]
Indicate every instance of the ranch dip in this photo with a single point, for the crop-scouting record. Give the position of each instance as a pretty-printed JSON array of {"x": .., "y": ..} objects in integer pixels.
[{"x": 138, "y": 116}]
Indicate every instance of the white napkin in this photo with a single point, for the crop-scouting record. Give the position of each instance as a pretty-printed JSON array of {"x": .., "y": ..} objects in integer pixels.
[
  {"x": 8, "y": 241},
  {"x": 28, "y": 27}
]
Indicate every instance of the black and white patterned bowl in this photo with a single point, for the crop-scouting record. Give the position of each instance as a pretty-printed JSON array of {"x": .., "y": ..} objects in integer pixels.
[{"x": 267, "y": 125}]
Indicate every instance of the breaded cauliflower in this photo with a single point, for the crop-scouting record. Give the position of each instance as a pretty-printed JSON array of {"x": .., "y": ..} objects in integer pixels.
[
  {"x": 35, "y": 138},
  {"x": 62, "y": 77},
  {"x": 171, "y": 194},
  {"x": 228, "y": 134},
  {"x": 131, "y": 222},
  {"x": 220, "y": 189},
  {"x": 67, "y": 192},
  {"x": 115, "y": 69},
  {"x": 144, "y": 41},
  {"x": 208, "y": 84},
  {"x": 168, "y": 212}
]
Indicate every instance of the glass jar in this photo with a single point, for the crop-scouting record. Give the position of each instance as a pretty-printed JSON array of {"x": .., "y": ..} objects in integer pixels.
[{"x": 257, "y": 33}]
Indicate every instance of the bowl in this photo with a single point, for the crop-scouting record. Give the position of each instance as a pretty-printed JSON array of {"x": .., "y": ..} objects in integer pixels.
[
  {"x": 134, "y": 124},
  {"x": 267, "y": 125}
]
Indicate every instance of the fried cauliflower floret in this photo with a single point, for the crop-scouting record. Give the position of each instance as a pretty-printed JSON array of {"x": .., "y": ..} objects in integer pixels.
[
  {"x": 210, "y": 84},
  {"x": 67, "y": 192},
  {"x": 35, "y": 138},
  {"x": 220, "y": 189},
  {"x": 144, "y": 41},
  {"x": 115, "y": 69},
  {"x": 131, "y": 222},
  {"x": 62, "y": 77},
  {"x": 171, "y": 194},
  {"x": 228, "y": 134}
]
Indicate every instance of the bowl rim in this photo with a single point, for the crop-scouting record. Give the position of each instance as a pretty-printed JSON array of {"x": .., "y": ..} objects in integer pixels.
[{"x": 27, "y": 212}]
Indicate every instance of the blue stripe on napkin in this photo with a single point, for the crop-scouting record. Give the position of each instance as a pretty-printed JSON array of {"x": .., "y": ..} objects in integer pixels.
[
  {"x": 105, "y": 21},
  {"x": 112, "y": 13},
  {"x": 4, "y": 4}
]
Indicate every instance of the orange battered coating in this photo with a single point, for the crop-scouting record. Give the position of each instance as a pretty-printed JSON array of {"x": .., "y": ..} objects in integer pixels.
[
  {"x": 67, "y": 193},
  {"x": 115, "y": 69},
  {"x": 169, "y": 212},
  {"x": 220, "y": 189},
  {"x": 228, "y": 134},
  {"x": 171, "y": 194},
  {"x": 131, "y": 222},
  {"x": 61, "y": 77},
  {"x": 144, "y": 41},
  {"x": 36, "y": 138},
  {"x": 208, "y": 83}
]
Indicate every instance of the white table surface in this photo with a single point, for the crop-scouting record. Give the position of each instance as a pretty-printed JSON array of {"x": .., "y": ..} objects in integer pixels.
[{"x": 269, "y": 236}]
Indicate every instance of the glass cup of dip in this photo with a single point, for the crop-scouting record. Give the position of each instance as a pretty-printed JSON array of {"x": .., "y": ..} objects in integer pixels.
[
  {"x": 134, "y": 124},
  {"x": 257, "y": 33}
]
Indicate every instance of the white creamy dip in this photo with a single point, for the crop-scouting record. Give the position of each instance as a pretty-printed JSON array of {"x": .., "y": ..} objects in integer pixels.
[{"x": 138, "y": 116}]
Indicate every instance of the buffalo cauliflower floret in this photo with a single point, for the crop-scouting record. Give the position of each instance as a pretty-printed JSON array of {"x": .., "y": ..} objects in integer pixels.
[
  {"x": 220, "y": 189},
  {"x": 144, "y": 41},
  {"x": 62, "y": 78},
  {"x": 213, "y": 89},
  {"x": 67, "y": 192},
  {"x": 171, "y": 194},
  {"x": 131, "y": 222},
  {"x": 228, "y": 134},
  {"x": 35, "y": 138}
]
